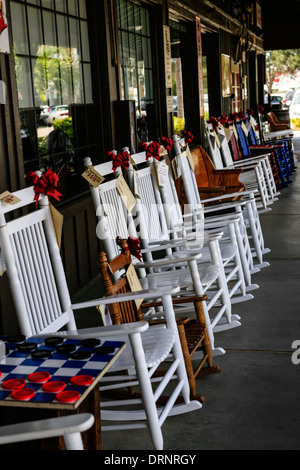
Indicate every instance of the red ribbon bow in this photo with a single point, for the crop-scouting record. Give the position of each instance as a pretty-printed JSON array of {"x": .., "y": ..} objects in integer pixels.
[
  {"x": 46, "y": 184},
  {"x": 167, "y": 142},
  {"x": 134, "y": 246},
  {"x": 213, "y": 121},
  {"x": 153, "y": 151},
  {"x": 223, "y": 119},
  {"x": 188, "y": 136},
  {"x": 121, "y": 159},
  {"x": 143, "y": 146}
]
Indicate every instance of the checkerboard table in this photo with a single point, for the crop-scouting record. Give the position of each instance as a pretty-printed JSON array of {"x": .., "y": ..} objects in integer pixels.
[{"x": 53, "y": 371}]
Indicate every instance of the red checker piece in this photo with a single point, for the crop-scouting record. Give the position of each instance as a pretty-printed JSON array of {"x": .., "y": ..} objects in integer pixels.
[
  {"x": 84, "y": 380},
  {"x": 14, "y": 384},
  {"x": 39, "y": 377},
  {"x": 23, "y": 394},
  {"x": 69, "y": 396},
  {"x": 54, "y": 386}
]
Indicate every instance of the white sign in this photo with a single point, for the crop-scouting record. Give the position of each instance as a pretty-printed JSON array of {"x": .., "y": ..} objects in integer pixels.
[
  {"x": 4, "y": 42},
  {"x": 168, "y": 56}
]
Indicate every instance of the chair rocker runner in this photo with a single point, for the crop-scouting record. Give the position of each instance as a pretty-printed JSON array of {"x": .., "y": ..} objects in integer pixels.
[
  {"x": 43, "y": 306},
  {"x": 193, "y": 335}
]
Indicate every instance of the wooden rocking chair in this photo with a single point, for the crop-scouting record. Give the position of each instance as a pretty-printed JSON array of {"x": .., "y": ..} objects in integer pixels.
[{"x": 192, "y": 333}]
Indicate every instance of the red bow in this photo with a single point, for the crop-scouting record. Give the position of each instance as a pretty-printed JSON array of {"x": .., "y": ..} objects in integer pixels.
[
  {"x": 223, "y": 119},
  {"x": 121, "y": 159},
  {"x": 213, "y": 121},
  {"x": 153, "y": 151},
  {"x": 134, "y": 246},
  {"x": 167, "y": 142},
  {"x": 143, "y": 146},
  {"x": 188, "y": 136},
  {"x": 45, "y": 184}
]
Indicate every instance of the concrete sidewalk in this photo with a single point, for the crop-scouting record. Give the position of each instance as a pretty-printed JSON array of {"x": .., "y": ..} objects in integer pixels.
[{"x": 254, "y": 403}]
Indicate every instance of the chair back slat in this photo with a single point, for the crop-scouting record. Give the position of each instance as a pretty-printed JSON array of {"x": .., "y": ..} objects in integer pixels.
[
  {"x": 35, "y": 271},
  {"x": 36, "y": 275}
]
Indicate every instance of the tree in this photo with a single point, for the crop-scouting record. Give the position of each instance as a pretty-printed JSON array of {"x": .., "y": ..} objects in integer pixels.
[{"x": 281, "y": 61}]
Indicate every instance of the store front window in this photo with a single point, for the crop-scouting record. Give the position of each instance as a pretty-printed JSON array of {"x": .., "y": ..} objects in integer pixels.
[
  {"x": 53, "y": 72},
  {"x": 136, "y": 65}
]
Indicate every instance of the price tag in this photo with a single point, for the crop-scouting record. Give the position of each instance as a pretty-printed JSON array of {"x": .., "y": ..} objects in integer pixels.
[
  {"x": 235, "y": 132},
  {"x": 125, "y": 193},
  {"x": 190, "y": 157},
  {"x": 162, "y": 151},
  {"x": 93, "y": 177},
  {"x": 134, "y": 283},
  {"x": 162, "y": 171},
  {"x": 9, "y": 198},
  {"x": 245, "y": 129}
]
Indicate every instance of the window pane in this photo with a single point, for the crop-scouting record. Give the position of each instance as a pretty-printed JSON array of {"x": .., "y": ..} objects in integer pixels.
[
  {"x": 62, "y": 31},
  {"x": 49, "y": 28},
  {"x": 19, "y": 28},
  {"x": 85, "y": 41},
  {"x": 40, "y": 80},
  {"x": 24, "y": 83},
  {"x": 47, "y": 4},
  {"x": 61, "y": 5},
  {"x": 77, "y": 82},
  {"x": 82, "y": 8},
  {"x": 35, "y": 34},
  {"x": 73, "y": 7},
  {"x": 88, "y": 83},
  {"x": 75, "y": 36}
]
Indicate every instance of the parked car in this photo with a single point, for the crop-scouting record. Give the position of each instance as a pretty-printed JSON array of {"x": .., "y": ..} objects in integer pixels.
[
  {"x": 276, "y": 100},
  {"x": 57, "y": 112},
  {"x": 295, "y": 106},
  {"x": 44, "y": 114},
  {"x": 288, "y": 98}
]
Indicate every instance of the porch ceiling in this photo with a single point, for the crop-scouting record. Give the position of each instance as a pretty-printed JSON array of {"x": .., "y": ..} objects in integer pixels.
[{"x": 281, "y": 24}]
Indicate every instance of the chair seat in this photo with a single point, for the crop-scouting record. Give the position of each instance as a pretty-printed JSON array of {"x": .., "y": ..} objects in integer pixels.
[
  {"x": 194, "y": 334},
  {"x": 208, "y": 274},
  {"x": 157, "y": 343}
]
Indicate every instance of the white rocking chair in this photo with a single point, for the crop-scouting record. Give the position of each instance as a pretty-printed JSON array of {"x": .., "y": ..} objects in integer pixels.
[{"x": 43, "y": 306}]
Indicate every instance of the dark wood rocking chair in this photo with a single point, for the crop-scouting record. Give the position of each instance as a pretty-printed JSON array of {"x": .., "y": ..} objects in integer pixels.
[{"x": 192, "y": 333}]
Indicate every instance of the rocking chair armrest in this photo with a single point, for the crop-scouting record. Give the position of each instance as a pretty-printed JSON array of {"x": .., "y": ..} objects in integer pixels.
[
  {"x": 165, "y": 244},
  {"x": 125, "y": 297},
  {"x": 224, "y": 171},
  {"x": 211, "y": 189},
  {"x": 227, "y": 196},
  {"x": 103, "y": 331},
  {"x": 159, "y": 321},
  {"x": 168, "y": 262},
  {"x": 176, "y": 301}
]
